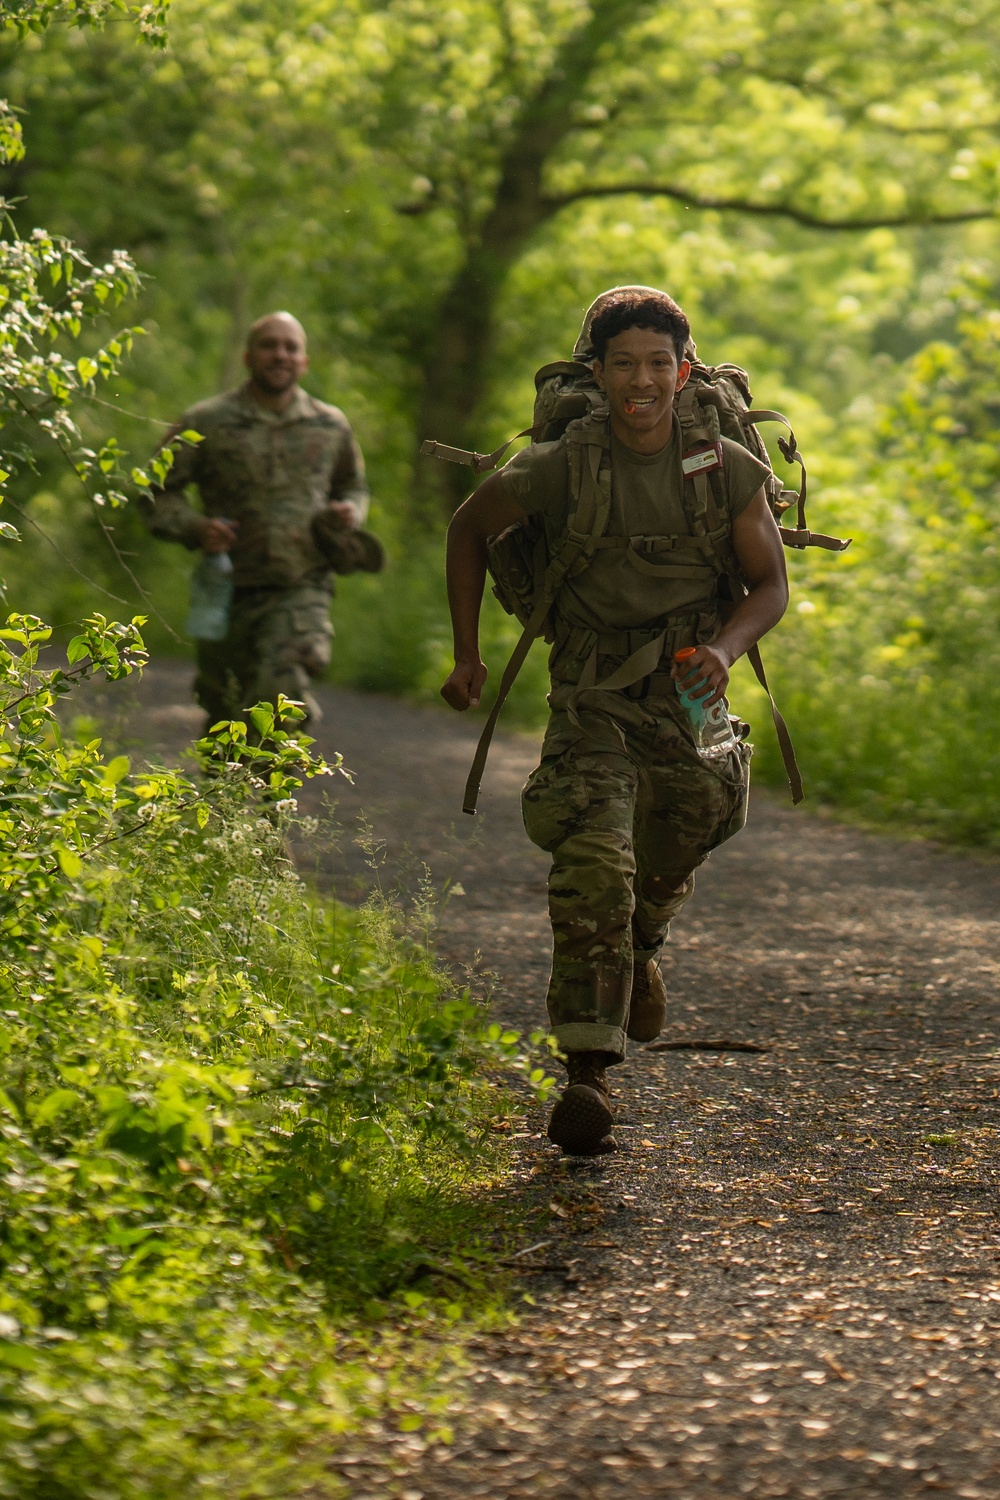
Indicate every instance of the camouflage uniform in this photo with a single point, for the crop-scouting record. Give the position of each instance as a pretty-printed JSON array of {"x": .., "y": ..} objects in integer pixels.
[
  {"x": 621, "y": 799},
  {"x": 628, "y": 810},
  {"x": 271, "y": 472}
]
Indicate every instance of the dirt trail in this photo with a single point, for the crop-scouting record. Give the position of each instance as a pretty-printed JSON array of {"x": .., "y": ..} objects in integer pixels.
[{"x": 787, "y": 1282}]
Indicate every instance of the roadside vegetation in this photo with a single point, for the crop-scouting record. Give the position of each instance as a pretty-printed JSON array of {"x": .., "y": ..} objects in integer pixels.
[{"x": 244, "y": 1133}]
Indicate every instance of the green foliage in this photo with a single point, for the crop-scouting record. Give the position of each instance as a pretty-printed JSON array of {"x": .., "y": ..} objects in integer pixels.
[
  {"x": 232, "y": 1118},
  {"x": 26, "y": 16},
  {"x": 39, "y": 384},
  {"x": 891, "y": 667},
  {"x": 51, "y": 298}
]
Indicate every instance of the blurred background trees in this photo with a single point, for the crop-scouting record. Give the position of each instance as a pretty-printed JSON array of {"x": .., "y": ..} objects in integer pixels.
[{"x": 438, "y": 190}]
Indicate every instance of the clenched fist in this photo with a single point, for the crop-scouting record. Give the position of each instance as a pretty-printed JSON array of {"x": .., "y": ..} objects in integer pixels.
[{"x": 465, "y": 685}]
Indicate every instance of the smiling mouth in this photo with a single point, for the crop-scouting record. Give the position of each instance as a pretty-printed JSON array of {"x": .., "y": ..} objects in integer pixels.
[{"x": 642, "y": 404}]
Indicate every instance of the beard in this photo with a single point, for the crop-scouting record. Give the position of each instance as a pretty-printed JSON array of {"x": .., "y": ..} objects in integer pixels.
[{"x": 275, "y": 381}]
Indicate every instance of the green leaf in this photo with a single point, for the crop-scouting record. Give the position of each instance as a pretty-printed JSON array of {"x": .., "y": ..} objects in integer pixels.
[
  {"x": 86, "y": 368},
  {"x": 19, "y": 1356},
  {"x": 53, "y": 1105},
  {"x": 69, "y": 861},
  {"x": 262, "y": 719},
  {"x": 116, "y": 770}
]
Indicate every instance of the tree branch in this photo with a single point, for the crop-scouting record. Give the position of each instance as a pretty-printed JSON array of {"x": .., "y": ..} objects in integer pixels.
[{"x": 767, "y": 210}]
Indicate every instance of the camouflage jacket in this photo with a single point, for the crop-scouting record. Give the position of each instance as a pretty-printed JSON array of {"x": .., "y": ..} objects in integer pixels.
[{"x": 270, "y": 472}]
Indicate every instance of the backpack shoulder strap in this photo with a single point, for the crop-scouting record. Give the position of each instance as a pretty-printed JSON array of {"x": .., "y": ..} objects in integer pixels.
[
  {"x": 588, "y": 443},
  {"x": 706, "y": 501},
  {"x": 588, "y": 448}
]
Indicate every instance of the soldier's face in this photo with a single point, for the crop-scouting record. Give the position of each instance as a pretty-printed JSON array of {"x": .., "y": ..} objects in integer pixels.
[
  {"x": 277, "y": 357},
  {"x": 640, "y": 374}
]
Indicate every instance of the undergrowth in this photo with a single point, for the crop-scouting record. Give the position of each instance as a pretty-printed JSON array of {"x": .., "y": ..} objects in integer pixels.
[{"x": 243, "y": 1131}]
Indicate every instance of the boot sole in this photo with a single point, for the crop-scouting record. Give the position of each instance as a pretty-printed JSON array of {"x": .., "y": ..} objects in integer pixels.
[{"x": 581, "y": 1122}]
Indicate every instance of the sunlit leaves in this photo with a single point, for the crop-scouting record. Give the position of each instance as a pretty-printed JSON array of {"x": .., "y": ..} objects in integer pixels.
[
  {"x": 26, "y": 16},
  {"x": 11, "y": 138},
  {"x": 38, "y": 383}
]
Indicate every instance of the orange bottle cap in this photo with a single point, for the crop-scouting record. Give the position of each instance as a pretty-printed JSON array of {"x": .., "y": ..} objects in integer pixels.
[{"x": 685, "y": 653}]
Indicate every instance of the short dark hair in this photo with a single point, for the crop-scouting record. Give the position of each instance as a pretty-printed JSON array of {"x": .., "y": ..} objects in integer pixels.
[{"x": 633, "y": 309}]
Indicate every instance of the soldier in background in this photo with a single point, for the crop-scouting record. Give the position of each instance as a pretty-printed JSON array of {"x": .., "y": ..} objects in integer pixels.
[{"x": 282, "y": 486}]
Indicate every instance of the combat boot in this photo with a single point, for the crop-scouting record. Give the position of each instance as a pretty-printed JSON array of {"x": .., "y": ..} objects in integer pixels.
[
  {"x": 581, "y": 1121},
  {"x": 648, "y": 1006}
]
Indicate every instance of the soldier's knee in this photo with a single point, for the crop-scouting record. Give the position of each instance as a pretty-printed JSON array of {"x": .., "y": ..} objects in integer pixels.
[
  {"x": 594, "y": 870},
  {"x": 665, "y": 889},
  {"x": 307, "y": 654}
]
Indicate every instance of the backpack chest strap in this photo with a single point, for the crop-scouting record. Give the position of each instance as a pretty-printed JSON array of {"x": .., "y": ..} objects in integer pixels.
[{"x": 652, "y": 655}]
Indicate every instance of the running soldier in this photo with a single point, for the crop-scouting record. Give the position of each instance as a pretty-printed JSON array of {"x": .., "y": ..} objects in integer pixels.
[
  {"x": 282, "y": 486},
  {"x": 622, "y": 799}
]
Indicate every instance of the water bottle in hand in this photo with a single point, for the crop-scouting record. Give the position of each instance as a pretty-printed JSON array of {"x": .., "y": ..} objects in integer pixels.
[
  {"x": 711, "y": 727},
  {"x": 211, "y": 597}
]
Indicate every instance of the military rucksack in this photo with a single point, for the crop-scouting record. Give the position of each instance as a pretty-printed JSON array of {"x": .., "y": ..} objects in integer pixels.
[{"x": 715, "y": 402}]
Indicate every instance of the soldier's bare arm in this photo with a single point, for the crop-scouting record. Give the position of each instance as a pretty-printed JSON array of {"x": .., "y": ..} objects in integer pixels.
[
  {"x": 761, "y": 558},
  {"x": 486, "y": 513}
]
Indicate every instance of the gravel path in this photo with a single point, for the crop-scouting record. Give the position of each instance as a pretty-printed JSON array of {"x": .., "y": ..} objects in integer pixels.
[{"x": 787, "y": 1281}]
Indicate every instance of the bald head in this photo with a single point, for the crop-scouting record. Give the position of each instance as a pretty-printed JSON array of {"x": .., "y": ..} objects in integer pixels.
[
  {"x": 282, "y": 323},
  {"x": 276, "y": 357}
]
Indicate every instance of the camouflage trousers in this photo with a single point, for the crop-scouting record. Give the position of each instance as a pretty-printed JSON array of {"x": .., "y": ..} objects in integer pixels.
[
  {"x": 628, "y": 810},
  {"x": 279, "y": 639}
]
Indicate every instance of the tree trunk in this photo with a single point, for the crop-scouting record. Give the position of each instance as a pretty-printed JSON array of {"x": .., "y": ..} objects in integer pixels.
[{"x": 453, "y": 369}]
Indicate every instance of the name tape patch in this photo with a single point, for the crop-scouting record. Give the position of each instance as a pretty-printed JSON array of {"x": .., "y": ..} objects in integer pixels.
[{"x": 700, "y": 460}]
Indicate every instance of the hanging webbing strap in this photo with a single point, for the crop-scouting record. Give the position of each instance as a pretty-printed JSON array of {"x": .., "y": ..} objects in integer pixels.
[
  {"x": 780, "y": 728},
  {"x": 585, "y": 527},
  {"x": 514, "y": 665},
  {"x": 798, "y": 536},
  {"x": 481, "y": 463},
  {"x": 737, "y": 592},
  {"x": 642, "y": 663}
]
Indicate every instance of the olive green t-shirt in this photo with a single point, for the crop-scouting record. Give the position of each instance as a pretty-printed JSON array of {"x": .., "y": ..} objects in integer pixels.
[{"x": 647, "y": 499}]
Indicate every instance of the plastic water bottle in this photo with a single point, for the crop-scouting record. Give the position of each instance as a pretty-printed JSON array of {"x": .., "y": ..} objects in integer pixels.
[
  {"x": 711, "y": 727},
  {"x": 211, "y": 597}
]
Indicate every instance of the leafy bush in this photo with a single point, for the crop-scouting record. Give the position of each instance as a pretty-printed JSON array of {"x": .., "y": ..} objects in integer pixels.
[
  {"x": 233, "y": 1118},
  {"x": 239, "y": 1127},
  {"x": 889, "y": 664}
]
